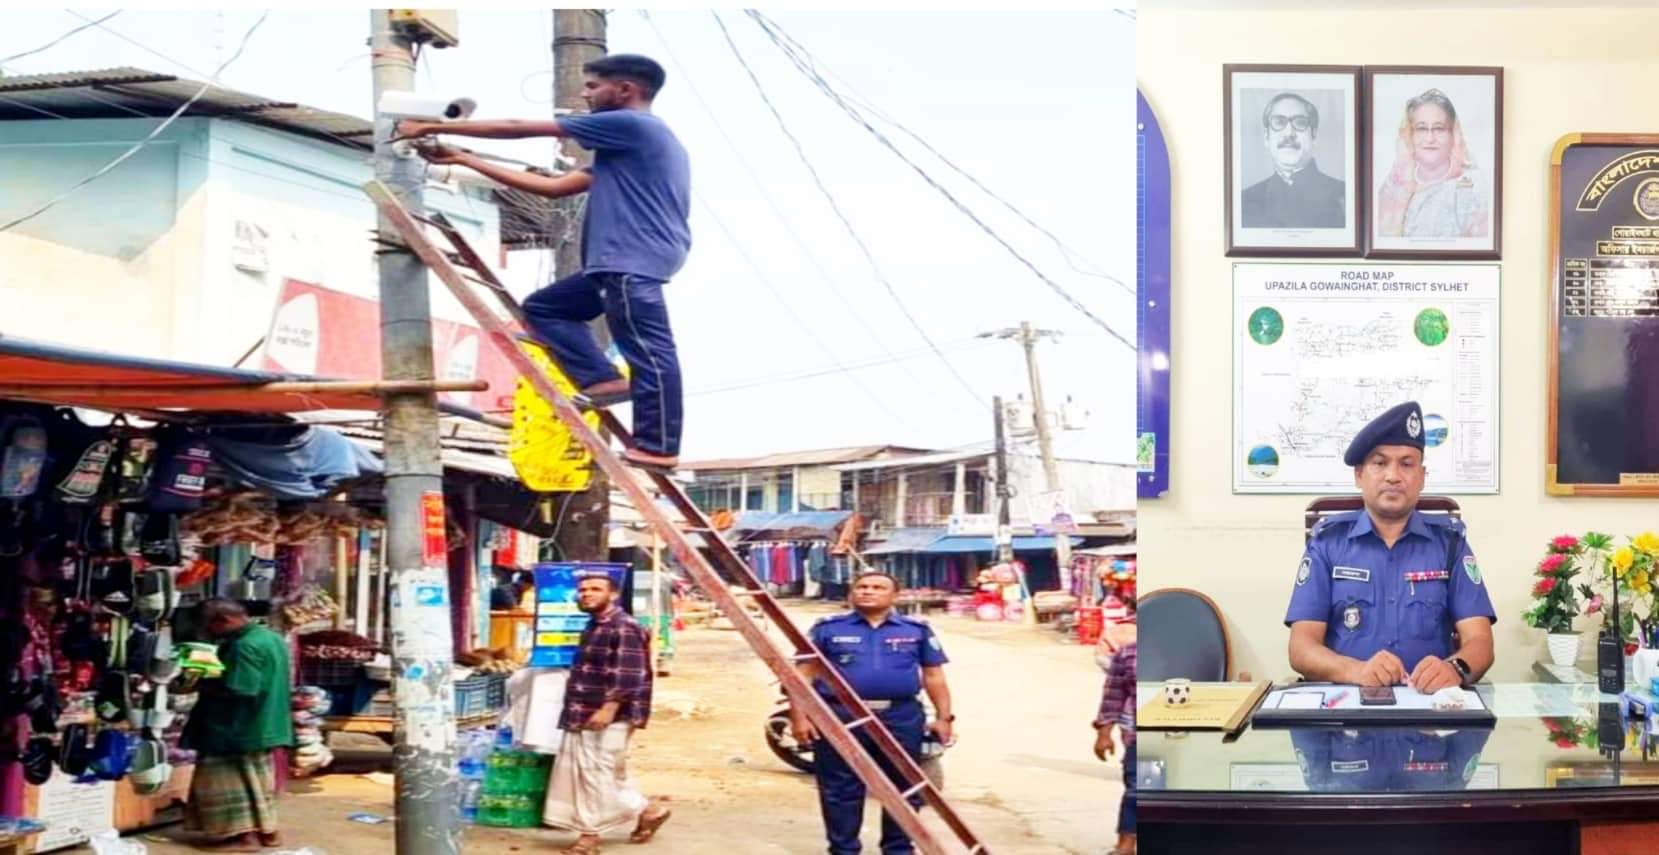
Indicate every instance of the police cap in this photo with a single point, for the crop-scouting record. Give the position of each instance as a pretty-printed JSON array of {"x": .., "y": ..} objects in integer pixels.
[{"x": 1401, "y": 425}]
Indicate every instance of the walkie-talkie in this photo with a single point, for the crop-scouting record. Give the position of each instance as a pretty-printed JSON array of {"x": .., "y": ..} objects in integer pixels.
[{"x": 1610, "y": 652}]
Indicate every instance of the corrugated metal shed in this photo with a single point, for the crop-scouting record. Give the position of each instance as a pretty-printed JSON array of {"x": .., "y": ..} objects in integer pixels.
[
  {"x": 119, "y": 93},
  {"x": 527, "y": 221}
]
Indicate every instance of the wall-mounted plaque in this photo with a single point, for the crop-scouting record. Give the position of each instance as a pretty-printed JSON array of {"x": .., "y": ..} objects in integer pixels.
[{"x": 1604, "y": 330}]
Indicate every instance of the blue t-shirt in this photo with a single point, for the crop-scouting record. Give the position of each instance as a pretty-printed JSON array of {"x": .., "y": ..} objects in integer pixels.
[
  {"x": 641, "y": 195},
  {"x": 880, "y": 662},
  {"x": 1406, "y": 599}
]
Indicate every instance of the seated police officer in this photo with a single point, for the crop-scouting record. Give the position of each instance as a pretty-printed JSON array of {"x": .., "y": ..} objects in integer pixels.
[
  {"x": 1380, "y": 590},
  {"x": 1387, "y": 759},
  {"x": 888, "y": 659}
]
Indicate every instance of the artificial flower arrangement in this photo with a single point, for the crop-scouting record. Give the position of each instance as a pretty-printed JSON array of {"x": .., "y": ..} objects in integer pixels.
[{"x": 1633, "y": 567}]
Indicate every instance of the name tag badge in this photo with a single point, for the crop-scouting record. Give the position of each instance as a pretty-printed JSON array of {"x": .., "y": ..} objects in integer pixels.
[
  {"x": 1354, "y": 574},
  {"x": 1350, "y": 766},
  {"x": 845, "y": 639}
]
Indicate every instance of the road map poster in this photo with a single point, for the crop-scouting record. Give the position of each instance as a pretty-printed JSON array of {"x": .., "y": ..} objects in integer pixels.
[{"x": 1320, "y": 349}]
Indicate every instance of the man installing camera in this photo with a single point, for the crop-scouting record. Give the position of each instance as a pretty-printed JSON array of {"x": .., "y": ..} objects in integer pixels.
[
  {"x": 1380, "y": 590},
  {"x": 635, "y": 237}
]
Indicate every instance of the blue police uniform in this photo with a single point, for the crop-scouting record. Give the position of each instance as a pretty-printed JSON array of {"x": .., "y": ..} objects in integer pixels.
[
  {"x": 1387, "y": 760},
  {"x": 1407, "y": 598},
  {"x": 883, "y": 664},
  {"x": 1370, "y": 597}
]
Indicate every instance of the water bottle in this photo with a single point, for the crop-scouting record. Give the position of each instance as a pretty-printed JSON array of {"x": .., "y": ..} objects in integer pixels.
[
  {"x": 504, "y": 738},
  {"x": 470, "y": 791}
]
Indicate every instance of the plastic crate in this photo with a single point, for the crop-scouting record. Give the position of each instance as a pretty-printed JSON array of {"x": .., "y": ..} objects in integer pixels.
[
  {"x": 330, "y": 672},
  {"x": 509, "y": 811},
  {"x": 347, "y": 699},
  {"x": 496, "y": 696},
  {"x": 517, "y": 773},
  {"x": 472, "y": 696}
]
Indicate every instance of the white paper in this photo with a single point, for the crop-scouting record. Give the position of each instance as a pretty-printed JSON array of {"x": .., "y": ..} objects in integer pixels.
[
  {"x": 1301, "y": 700},
  {"x": 1344, "y": 697},
  {"x": 73, "y": 812}
]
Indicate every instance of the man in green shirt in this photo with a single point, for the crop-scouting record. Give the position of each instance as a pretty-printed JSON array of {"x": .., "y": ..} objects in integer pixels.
[{"x": 237, "y": 722}]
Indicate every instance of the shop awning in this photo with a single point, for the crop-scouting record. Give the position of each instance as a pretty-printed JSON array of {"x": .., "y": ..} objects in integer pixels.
[
  {"x": 65, "y": 376},
  {"x": 899, "y": 540},
  {"x": 806, "y": 524},
  {"x": 968, "y": 543}
]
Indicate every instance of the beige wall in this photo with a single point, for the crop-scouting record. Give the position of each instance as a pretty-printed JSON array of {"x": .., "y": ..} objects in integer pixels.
[{"x": 1564, "y": 71}]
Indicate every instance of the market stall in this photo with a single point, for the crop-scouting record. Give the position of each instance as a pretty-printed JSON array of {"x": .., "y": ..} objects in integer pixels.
[{"x": 125, "y": 501}]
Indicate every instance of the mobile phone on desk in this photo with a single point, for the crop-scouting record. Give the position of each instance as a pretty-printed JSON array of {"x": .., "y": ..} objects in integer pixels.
[{"x": 1376, "y": 696}]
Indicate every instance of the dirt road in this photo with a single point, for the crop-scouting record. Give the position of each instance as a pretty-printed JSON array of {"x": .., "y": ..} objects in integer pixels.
[{"x": 1022, "y": 775}]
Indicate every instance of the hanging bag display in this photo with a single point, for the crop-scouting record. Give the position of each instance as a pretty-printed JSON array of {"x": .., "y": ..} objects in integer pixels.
[
  {"x": 180, "y": 476},
  {"x": 22, "y": 456}
]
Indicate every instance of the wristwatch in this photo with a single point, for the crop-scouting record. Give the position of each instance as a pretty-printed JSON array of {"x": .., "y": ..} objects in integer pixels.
[{"x": 1462, "y": 667}]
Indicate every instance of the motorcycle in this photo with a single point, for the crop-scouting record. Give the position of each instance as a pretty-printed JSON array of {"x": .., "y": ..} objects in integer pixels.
[{"x": 780, "y": 738}]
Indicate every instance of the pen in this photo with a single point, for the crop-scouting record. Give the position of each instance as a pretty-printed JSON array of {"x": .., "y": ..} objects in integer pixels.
[{"x": 1331, "y": 703}]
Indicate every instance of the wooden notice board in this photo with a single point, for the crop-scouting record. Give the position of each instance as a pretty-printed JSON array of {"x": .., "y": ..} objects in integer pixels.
[{"x": 1604, "y": 316}]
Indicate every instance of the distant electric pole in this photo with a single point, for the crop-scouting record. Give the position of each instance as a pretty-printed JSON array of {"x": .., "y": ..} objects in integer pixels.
[
  {"x": 1028, "y": 337},
  {"x": 423, "y": 758},
  {"x": 1005, "y": 491},
  {"x": 578, "y": 39}
]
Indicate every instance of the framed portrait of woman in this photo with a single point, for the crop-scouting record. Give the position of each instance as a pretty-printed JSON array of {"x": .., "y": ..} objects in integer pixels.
[{"x": 1435, "y": 170}]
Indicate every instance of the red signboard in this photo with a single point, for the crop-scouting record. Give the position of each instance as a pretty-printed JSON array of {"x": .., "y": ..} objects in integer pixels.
[
  {"x": 434, "y": 540},
  {"x": 329, "y": 334}
]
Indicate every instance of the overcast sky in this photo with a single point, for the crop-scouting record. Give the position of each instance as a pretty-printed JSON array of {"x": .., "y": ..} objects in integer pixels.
[{"x": 788, "y": 338}]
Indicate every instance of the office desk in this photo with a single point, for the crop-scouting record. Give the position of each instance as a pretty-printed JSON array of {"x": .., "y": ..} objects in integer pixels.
[{"x": 1536, "y": 782}]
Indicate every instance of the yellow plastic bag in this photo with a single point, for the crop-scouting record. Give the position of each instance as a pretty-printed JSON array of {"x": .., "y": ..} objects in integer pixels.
[{"x": 547, "y": 457}]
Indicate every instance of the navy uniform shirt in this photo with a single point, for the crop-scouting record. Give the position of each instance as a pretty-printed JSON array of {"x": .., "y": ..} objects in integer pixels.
[
  {"x": 882, "y": 663},
  {"x": 1387, "y": 760},
  {"x": 1405, "y": 599}
]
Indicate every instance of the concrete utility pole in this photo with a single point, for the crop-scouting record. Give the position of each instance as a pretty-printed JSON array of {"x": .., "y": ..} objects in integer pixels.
[
  {"x": 1028, "y": 336},
  {"x": 428, "y": 821},
  {"x": 579, "y": 38},
  {"x": 1005, "y": 491}
]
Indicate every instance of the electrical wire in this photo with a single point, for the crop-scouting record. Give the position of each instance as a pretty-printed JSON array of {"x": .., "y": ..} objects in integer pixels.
[
  {"x": 782, "y": 219},
  {"x": 1067, "y": 252},
  {"x": 60, "y": 39},
  {"x": 148, "y": 139},
  {"x": 146, "y": 49},
  {"x": 818, "y": 180},
  {"x": 799, "y": 321},
  {"x": 825, "y": 372},
  {"x": 834, "y": 96}
]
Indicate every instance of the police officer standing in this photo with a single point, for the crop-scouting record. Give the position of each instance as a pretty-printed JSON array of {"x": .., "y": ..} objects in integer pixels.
[
  {"x": 1380, "y": 590},
  {"x": 888, "y": 659}
]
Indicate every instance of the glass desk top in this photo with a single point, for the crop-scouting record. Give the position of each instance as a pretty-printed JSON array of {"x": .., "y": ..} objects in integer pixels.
[{"x": 1547, "y": 736}]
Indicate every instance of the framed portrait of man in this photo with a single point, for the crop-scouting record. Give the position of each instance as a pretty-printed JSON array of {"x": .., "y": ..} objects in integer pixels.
[
  {"x": 1435, "y": 170},
  {"x": 1292, "y": 135}
]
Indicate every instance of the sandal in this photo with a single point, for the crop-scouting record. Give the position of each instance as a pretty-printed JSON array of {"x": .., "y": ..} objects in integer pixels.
[
  {"x": 648, "y": 826},
  {"x": 582, "y": 846}
]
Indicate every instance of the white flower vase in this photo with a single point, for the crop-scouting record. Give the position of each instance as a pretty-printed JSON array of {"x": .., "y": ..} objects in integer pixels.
[{"x": 1563, "y": 648}]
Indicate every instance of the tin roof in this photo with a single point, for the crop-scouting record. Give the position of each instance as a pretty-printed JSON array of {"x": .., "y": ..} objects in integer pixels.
[
  {"x": 126, "y": 92},
  {"x": 527, "y": 222}
]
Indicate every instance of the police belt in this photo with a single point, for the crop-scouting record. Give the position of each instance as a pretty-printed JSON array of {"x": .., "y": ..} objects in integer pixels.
[{"x": 875, "y": 705}]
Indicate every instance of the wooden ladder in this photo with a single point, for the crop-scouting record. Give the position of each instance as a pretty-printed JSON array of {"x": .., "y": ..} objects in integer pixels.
[{"x": 727, "y": 580}]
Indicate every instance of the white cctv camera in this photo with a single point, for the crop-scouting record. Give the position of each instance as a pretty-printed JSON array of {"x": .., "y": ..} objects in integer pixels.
[{"x": 398, "y": 104}]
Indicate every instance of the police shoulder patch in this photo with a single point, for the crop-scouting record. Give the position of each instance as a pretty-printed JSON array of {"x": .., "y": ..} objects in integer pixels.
[
  {"x": 1469, "y": 768},
  {"x": 1305, "y": 571},
  {"x": 1471, "y": 569}
]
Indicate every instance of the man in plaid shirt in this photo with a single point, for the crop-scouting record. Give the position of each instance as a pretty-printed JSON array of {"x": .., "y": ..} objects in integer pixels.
[
  {"x": 1117, "y": 708},
  {"x": 607, "y": 697}
]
